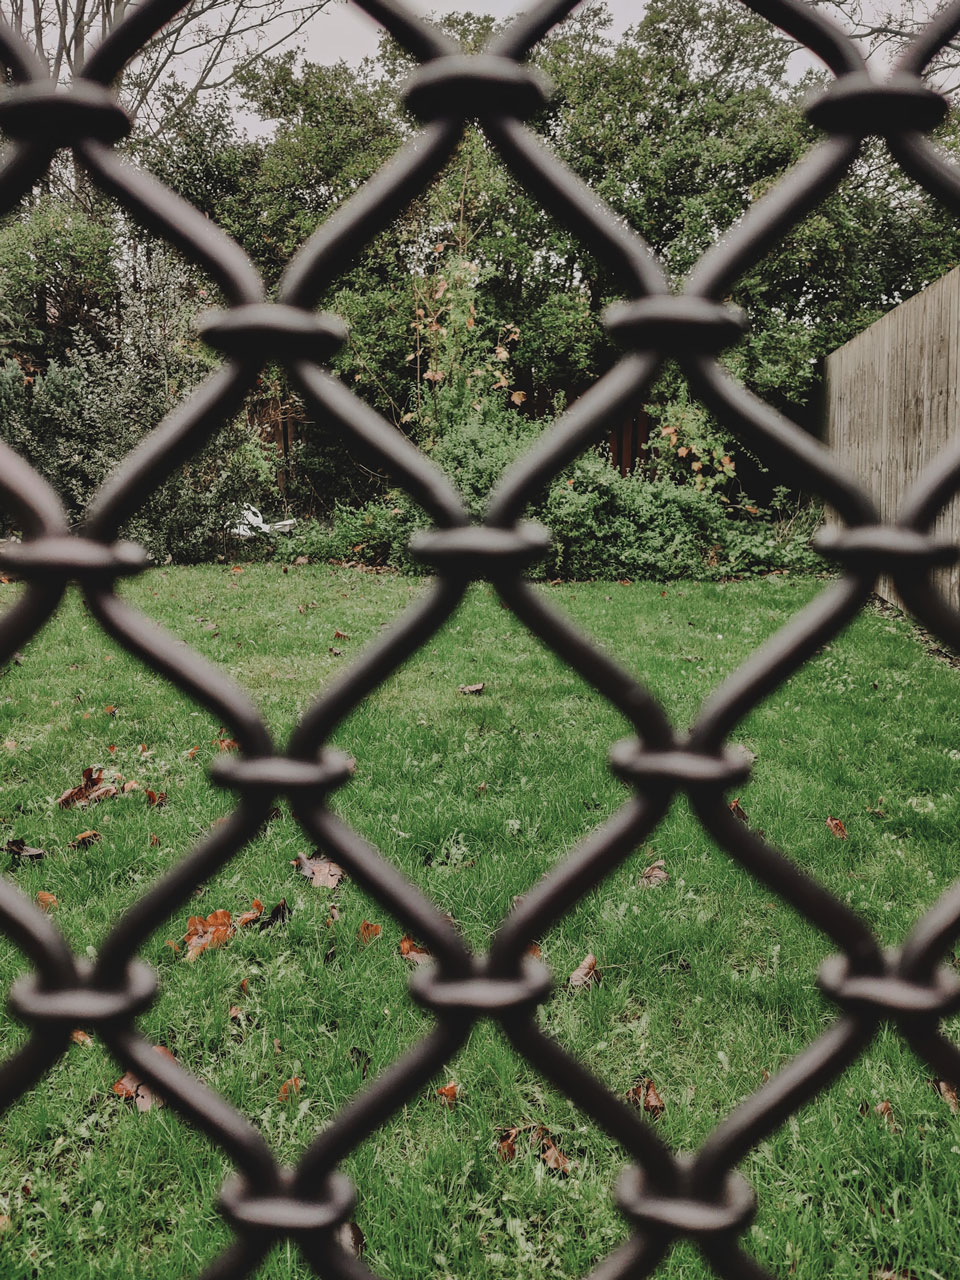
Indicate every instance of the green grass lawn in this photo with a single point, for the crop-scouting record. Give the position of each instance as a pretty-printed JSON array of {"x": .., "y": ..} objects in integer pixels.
[{"x": 708, "y": 982}]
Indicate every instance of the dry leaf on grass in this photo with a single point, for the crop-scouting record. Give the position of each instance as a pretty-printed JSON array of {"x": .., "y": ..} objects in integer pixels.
[
  {"x": 85, "y": 839},
  {"x": 837, "y": 827},
  {"x": 885, "y": 1110},
  {"x": 132, "y": 1089},
  {"x": 507, "y": 1147},
  {"x": 470, "y": 688},
  {"x": 550, "y": 1153},
  {"x": 156, "y": 798},
  {"x": 586, "y": 973},
  {"x": 212, "y": 931},
  {"x": 644, "y": 1095},
  {"x": 248, "y": 917},
  {"x": 80, "y": 1037},
  {"x": 737, "y": 809},
  {"x": 279, "y": 914},
  {"x": 289, "y": 1089},
  {"x": 410, "y": 951},
  {"x": 340, "y": 635},
  {"x": 20, "y": 849},
  {"x": 46, "y": 901},
  {"x": 948, "y": 1093},
  {"x": 653, "y": 875},
  {"x": 91, "y": 789},
  {"x": 449, "y": 1094},
  {"x": 320, "y": 871},
  {"x": 223, "y": 743},
  {"x": 367, "y": 932}
]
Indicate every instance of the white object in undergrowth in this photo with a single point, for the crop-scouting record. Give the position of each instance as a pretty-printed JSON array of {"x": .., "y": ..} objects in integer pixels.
[{"x": 252, "y": 522}]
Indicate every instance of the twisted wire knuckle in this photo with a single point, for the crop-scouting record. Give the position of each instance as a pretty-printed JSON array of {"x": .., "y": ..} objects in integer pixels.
[
  {"x": 41, "y": 113},
  {"x": 84, "y": 1004},
  {"x": 474, "y": 87}
]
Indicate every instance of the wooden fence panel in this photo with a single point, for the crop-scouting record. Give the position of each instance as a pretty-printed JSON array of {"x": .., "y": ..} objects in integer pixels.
[{"x": 893, "y": 402}]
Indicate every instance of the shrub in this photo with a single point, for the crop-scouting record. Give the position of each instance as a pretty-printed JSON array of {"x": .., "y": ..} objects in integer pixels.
[
  {"x": 603, "y": 524},
  {"x": 76, "y": 421}
]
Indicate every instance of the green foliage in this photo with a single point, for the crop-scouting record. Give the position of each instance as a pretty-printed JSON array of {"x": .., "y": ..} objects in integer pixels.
[
  {"x": 57, "y": 274},
  {"x": 603, "y": 525},
  {"x": 76, "y": 420}
]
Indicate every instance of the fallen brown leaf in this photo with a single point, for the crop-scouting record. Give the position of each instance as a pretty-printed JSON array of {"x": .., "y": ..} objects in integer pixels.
[
  {"x": 885, "y": 1110},
  {"x": 470, "y": 688},
  {"x": 81, "y": 794},
  {"x": 129, "y": 786},
  {"x": 80, "y": 1037},
  {"x": 155, "y": 841},
  {"x": 449, "y": 1094},
  {"x": 653, "y": 875},
  {"x": 320, "y": 871},
  {"x": 737, "y": 809},
  {"x": 585, "y": 973},
  {"x": 948, "y": 1093},
  {"x": 248, "y": 917},
  {"x": 367, "y": 932},
  {"x": 340, "y": 635},
  {"x": 279, "y": 914},
  {"x": 235, "y": 1013},
  {"x": 106, "y": 791},
  {"x": 20, "y": 849},
  {"x": 550, "y": 1154},
  {"x": 644, "y": 1096},
  {"x": 837, "y": 827},
  {"x": 85, "y": 839},
  {"x": 202, "y": 933},
  {"x": 289, "y": 1089},
  {"x": 302, "y": 560},
  {"x": 46, "y": 901},
  {"x": 132, "y": 1089},
  {"x": 507, "y": 1147},
  {"x": 410, "y": 951},
  {"x": 223, "y": 743},
  {"x": 156, "y": 798}
]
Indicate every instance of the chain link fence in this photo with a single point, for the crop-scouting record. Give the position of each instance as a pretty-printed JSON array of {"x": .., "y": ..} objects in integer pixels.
[{"x": 664, "y": 1198}]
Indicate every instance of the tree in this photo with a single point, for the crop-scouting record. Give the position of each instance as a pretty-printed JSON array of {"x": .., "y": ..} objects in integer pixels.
[
  {"x": 203, "y": 48},
  {"x": 885, "y": 29}
]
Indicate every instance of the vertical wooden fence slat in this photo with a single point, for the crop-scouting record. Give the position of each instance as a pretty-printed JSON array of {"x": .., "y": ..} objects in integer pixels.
[{"x": 893, "y": 403}]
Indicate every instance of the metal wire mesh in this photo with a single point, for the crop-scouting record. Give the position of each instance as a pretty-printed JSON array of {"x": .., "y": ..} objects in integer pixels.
[{"x": 664, "y": 1198}]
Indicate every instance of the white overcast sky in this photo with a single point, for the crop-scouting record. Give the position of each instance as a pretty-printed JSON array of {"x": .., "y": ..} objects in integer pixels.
[{"x": 344, "y": 31}]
